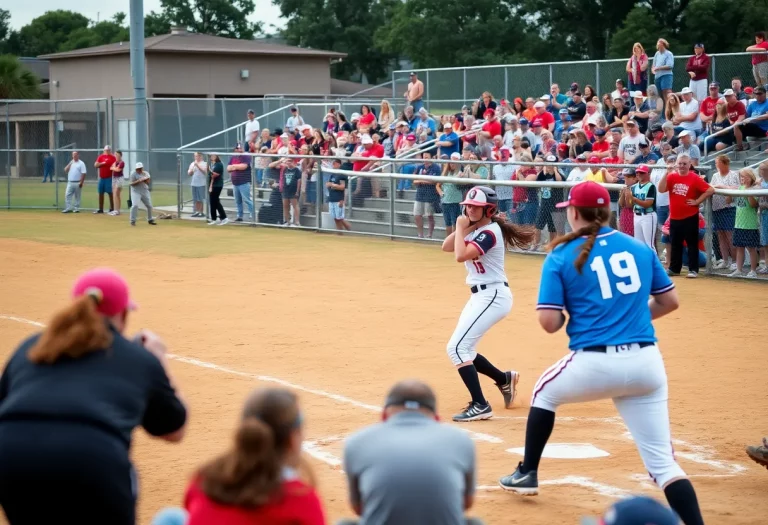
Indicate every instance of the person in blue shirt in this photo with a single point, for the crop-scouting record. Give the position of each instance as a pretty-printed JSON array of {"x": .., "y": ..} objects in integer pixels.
[
  {"x": 448, "y": 142},
  {"x": 612, "y": 287},
  {"x": 646, "y": 156},
  {"x": 48, "y": 166},
  {"x": 756, "y": 123}
]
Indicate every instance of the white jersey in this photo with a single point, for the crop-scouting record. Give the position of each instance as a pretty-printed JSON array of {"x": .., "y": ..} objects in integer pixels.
[{"x": 488, "y": 267}]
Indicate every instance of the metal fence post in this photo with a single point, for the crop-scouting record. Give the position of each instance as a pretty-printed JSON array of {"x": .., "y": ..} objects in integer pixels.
[
  {"x": 178, "y": 185},
  {"x": 426, "y": 90},
  {"x": 319, "y": 198},
  {"x": 392, "y": 191},
  {"x": 253, "y": 192},
  {"x": 707, "y": 234},
  {"x": 714, "y": 68},
  {"x": 551, "y": 76},
  {"x": 597, "y": 76},
  {"x": 56, "y": 151},
  {"x": 394, "y": 87},
  {"x": 8, "y": 150},
  {"x": 99, "y": 143},
  {"x": 464, "y": 96},
  {"x": 506, "y": 83},
  {"x": 224, "y": 122}
]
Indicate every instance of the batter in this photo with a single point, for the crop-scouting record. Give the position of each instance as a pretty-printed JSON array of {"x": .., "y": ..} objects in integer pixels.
[
  {"x": 612, "y": 286},
  {"x": 480, "y": 242}
]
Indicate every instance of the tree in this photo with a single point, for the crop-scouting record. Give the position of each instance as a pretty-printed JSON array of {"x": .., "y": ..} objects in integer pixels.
[
  {"x": 640, "y": 25},
  {"x": 227, "y": 18},
  {"x": 16, "y": 81},
  {"x": 46, "y": 33},
  {"x": 581, "y": 27},
  {"x": 106, "y": 32},
  {"x": 156, "y": 24},
  {"x": 456, "y": 32},
  {"x": 10, "y": 42},
  {"x": 345, "y": 26}
]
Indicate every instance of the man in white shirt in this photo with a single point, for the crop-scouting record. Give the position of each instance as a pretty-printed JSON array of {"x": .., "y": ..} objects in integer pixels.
[
  {"x": 662, "y": 199},
  {"x": 75, "y": 171},
  {"x": 580, "y": 170},
  {"x": 689, "y": 118},
  {"x": 629, "y": 147},
  {"x": 252, "y": 129},
  {"x": 294, "y": 121},
  {"x": 198, "y": 170}
]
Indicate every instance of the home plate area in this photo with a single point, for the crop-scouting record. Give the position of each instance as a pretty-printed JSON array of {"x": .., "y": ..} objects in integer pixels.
[{"x": 607, "y": 464}]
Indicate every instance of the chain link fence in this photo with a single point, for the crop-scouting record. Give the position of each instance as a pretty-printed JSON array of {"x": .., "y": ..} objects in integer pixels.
[{"x": 447, "y": 89}]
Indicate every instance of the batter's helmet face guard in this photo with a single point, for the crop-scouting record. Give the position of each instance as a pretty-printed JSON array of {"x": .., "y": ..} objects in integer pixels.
[{"x": 483, "y": 197}]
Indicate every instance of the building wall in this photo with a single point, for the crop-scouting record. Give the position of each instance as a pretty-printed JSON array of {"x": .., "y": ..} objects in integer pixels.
[
  {"x": 219, "y": 75},
  {"x": 91, "y": 77}
]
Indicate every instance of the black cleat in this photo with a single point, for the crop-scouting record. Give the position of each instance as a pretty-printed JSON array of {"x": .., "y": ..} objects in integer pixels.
[
  {"x": 509, "y": 389},
  {"x": 474, "y": 412},
  {"x": 524, "y": 484}
]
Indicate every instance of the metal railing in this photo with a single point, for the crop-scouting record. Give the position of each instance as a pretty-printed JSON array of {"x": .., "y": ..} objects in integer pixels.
[{"x": 449, "y": 88}]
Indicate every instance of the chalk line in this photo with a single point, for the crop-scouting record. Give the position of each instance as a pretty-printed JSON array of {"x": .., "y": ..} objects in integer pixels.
[{"x": 477, "y": 436}]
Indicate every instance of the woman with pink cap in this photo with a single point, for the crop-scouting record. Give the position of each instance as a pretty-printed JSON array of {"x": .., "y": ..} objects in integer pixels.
[{"x": 70, "y": 398}]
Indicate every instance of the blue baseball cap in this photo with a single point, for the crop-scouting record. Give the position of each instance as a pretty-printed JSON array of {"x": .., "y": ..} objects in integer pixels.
[
  {"x": 523, "y": 121},
  {"x": 599, "y": 132},
  {"x": 639, "y": 510}
]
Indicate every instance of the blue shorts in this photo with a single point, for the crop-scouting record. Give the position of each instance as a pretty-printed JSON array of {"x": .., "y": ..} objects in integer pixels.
[
  {"x": 764, "y": 228},
  {"x": 105, "y": 185},
  {"x": 724, "y": 219},
  {"x": 451, "y": 212},
  {"x": 662, "y": 213},
  {"x": 311, "y": 192},
  {"x": 663, "y": 82},
  {"x": 336, "y": 210},
  {"x": 746, "y": 238},
  {"x": 198, "y": 193}
]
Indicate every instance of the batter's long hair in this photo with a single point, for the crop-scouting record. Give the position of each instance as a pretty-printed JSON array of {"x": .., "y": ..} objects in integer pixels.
[
  {"x": 250, "y": 473},
  {"x": 597, "y": 217},
  {"x": 514, "y": 236},
  {"x": 75, "y": 331}
]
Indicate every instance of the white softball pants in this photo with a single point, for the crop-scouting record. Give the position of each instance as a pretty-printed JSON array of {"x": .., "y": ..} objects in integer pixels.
[
  {"x": 483, "y": 310},
  {"x": 635, "y": 379},
  {"x": 645, "y": 229}
]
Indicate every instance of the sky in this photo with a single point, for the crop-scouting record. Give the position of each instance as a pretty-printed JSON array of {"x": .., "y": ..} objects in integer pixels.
[{"x": 23, "y": 12}]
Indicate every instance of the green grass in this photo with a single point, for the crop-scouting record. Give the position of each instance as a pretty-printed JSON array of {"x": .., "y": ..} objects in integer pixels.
[{"x": 34, "y": 193}]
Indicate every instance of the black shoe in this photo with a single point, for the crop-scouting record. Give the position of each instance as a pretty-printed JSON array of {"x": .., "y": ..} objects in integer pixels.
[
  {"x": 524, "y": 484},
  {"x": 509, "y": 389},
  {"x": 133, "y": 223},
  {"x": 153, "y": 223},
  {"x": 98, "y": 212},
  {"x": 474, "y": 412},
  {"x": 239, "y": 219}
]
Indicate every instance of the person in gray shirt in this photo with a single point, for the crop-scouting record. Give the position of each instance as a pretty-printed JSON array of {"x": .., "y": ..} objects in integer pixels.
[
  {"x": 410, "y": 469},
  {"x": 139, "y": 182}
]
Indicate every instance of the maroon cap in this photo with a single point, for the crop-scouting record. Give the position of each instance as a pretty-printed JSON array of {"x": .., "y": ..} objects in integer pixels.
[
  {"x": 594, "y": 159},
  {"x": 587, "y": 195},
  {"x": 108, "y": 288}
]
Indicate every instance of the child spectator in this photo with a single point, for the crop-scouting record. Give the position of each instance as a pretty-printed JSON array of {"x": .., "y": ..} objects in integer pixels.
[
  {"x": 197, "y": 170},
  {"x": 426, "y": 196},
  {"x": 117, "y": 180},
  {"x": 262, "y": 164},
  {"x": 290, "y": 186},
  {"x": 548, "y": 216},
  {"x": 139, "y": 182},
  {"x": 643, "y": 200},
  {"x": 627, "y": 215},
  {"x": 263, "y": 477},
  {"x": 336, "y": 187},
  {"x": 746, "y": 235}
]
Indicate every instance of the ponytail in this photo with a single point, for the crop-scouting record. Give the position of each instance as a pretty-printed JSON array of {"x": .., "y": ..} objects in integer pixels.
[
  {"x": 514, "y": 235},
  {"x": 597, "y": 217},
  {"x": 250, "y": 474},
  {"x": 75, "y": 331}
]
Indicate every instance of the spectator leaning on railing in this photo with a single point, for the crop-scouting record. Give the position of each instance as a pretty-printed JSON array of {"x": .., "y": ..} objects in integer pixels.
[
  {"x": 746, "y": 234},
  {"x": 724, "y": 213},
  {"x": 756, "y": 122},
  {"x": 197, "y": 171},
  {"x": 239, "y": 169},
  {"x": 760, "y": 59},
  {"x": 410, "y": 468}
]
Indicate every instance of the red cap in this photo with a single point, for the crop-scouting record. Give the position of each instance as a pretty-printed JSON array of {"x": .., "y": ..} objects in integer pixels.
[
  {"x": 748, "y": 90},
  {"x": 108, "y": 287},
  {"x": 489, "y": 113},
  {"x": 642, "y": 169},
  {"x": 587, "y": 195},
  {"x": 594, "y": 159},
  {"x": 562, "y": 147}
]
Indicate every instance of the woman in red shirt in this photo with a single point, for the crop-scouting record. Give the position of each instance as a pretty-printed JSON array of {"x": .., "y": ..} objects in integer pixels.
[
  {"x": 257, "y": 482},
  {"x": 367, "y": 119}
]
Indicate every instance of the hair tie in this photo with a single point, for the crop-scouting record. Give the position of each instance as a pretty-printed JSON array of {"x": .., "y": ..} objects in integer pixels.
[{"x": 96, "y": 294}]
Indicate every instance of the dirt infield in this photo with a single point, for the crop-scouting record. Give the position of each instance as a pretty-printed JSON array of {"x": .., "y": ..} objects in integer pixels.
[{"x": 342, "y": 319}]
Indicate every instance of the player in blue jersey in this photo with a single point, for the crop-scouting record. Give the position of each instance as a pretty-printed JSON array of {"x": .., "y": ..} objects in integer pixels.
[{"x": 612, "y": 287}]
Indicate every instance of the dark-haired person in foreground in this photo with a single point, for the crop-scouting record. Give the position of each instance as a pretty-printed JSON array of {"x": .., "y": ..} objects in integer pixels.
[
  {"x": 410, "y": 468},
  {"x": 262, "y": 479},
  {"x": 613, "y": 286},
  {"x": 70, "y": 399}
]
